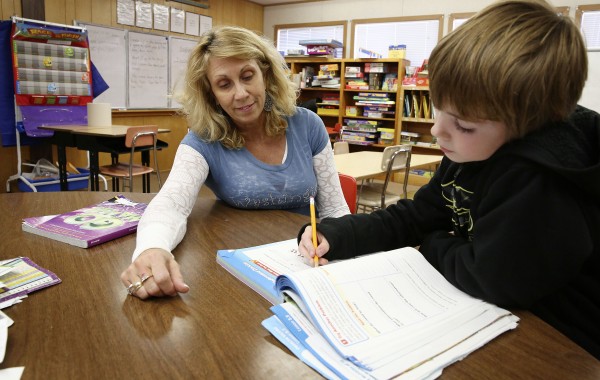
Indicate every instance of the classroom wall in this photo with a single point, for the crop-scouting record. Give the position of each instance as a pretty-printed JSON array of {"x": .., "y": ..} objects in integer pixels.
[
  {"x": 335, "y": 10},
  {"x": 103, "y": 12}
]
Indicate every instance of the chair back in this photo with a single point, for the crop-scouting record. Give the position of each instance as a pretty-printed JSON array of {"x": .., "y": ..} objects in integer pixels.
[
  {"x": 399, "y": 161},
  {"x": 349, "y": 189},
  {"x": 395, "y": 158},
  {"x": 341, "y": 147},
  {"x": 145, "y": 135}
]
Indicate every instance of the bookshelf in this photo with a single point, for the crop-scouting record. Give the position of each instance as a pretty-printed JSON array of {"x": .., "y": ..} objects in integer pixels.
[
  {"x": 417, "y": 119},
  {"x": 416, "y": 126},
  {"x": 359, "y": 105}
]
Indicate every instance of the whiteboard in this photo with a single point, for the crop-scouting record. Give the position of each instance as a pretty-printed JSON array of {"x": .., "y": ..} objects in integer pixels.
[
  {"x": 590, "y": 97},
  {"x": 179, "y": 51},
  {"x": 148, "y": 79},
  {"x": 108, "y": 52}
]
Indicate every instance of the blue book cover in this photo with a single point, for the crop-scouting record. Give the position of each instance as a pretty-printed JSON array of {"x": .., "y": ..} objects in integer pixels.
[{"x": 259, "y": 266}]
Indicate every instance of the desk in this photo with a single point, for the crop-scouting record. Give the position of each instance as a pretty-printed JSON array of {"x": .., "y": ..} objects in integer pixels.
[
  {"x": 367, "y": 164},
  {"x": 88, "y": 328},
  {"x": 85, "y": 138}
]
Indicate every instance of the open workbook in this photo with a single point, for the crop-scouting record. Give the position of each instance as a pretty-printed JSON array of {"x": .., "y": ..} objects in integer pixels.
[
  {"x": 258, "y": 267},
  {"x": 378, "y": 316}
]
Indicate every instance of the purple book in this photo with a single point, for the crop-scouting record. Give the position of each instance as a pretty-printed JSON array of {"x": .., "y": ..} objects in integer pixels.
[{"x": 91, "y": 225}]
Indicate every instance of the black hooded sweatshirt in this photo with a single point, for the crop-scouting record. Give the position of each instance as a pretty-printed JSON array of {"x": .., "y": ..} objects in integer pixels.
[{"x": 520, "y": 229}]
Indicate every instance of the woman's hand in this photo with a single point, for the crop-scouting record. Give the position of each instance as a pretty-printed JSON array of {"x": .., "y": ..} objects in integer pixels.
[
  {"x": 307, "y": 249},
  {"x": 154, "y": 273}
]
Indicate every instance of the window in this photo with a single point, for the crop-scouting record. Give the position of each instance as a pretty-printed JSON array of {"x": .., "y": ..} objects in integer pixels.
[
  {"x": 588, "y": 18},
  {"x": 419, "y": 34},
  {"x": 287, "y": 36},
  {"x": 457, "y": 19}
]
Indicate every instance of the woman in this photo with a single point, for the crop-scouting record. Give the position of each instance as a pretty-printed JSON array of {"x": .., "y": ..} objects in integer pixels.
[{"x": 248, "y": 141}]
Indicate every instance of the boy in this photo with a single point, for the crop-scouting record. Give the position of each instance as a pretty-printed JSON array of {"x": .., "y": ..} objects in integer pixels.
[{"x": 512, "y": 216}]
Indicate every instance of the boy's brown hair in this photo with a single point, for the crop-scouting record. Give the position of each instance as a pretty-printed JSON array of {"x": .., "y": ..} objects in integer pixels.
[{"x": 517, "y": 62}]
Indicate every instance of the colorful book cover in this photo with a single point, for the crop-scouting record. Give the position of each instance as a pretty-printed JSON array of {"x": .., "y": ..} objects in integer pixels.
[
  {"x": 91, "y": 225},
  {"x": 21, "y": 276},
  {"x": 259, "y": 266}
]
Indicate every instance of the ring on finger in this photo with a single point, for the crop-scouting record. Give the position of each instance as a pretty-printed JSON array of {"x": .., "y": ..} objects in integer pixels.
[
  {"x": 144, "y": 277},
  {"x": 133, "y": 288}
]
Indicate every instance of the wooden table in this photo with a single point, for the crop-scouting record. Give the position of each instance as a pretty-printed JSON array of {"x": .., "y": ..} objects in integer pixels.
[
  {"x": 367, "y": 164},
  {"x": 86, "y": 138},
  {"x": 88, "y": 328}
]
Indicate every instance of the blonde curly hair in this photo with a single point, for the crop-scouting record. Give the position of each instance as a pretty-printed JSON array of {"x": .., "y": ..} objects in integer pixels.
[{"x": 199, "y": 105}]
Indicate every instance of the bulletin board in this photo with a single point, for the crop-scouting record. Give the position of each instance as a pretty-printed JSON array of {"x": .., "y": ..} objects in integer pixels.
[
  {"x": 108, "y": 52},
  {"x": 179, "y": 51},
  {"x": 590, "y": 97}
]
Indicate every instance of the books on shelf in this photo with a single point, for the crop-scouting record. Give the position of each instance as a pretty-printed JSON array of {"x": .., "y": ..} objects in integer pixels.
[
  {"x": 361, "y": 125},
  {"x": 322, "y": 42},
  {"x": 328, "y": 111},
  {"x": 390, "y": 82},
  {"x": 376, "y": 67},
  {"x": 91, "y": 225},
  {"x": 380, "y": 316},
  {"x": 386, "y": 135},
  {"x": 360, "y": 137}
]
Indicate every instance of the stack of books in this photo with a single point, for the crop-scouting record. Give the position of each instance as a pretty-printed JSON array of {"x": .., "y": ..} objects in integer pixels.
[
  {"x": 329, "y": 105},
  {"x": 355, "y": 78},
  {"x": 327, "y": 77},
  {"x": 360, "y": 132},
  {"x": 321, "y": 47},
  {"x": 375, "y": 104},
  {"x": 379, "y": 316}
]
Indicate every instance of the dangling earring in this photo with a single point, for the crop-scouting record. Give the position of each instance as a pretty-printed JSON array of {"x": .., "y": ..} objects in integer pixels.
[{"x": 268, "y": 102}]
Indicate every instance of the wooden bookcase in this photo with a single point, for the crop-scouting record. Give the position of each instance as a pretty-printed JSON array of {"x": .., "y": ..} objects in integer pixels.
[
  {"x": 402, "y": 119},
  {"x": 346, "y": 96}
]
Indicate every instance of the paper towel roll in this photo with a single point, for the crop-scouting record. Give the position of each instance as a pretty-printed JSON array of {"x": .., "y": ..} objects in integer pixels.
[{"x": 99, "y": 115}]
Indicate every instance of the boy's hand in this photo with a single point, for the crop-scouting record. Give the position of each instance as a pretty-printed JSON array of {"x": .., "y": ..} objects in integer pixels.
[{"x": 307, "y": 248}]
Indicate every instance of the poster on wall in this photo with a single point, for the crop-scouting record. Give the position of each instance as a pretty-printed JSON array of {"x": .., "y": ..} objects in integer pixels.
[
  {"x": 177, "y": 20},
  {"x": 143, "y": 14},
  {"x": 126, "y": 12},
  {"x": 161, "y": 17},
  {"x": 192, "y": 24},
  {"x": 205, "y": 24}
]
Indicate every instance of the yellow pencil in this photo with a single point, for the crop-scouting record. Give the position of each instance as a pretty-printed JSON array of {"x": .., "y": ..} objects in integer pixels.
[{"x": 313, "y": 223}]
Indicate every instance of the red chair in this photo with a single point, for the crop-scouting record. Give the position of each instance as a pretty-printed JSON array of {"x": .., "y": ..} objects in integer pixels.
[
  {"x": 334, "y": 132},
  {"x": 350, "y": 191}
]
